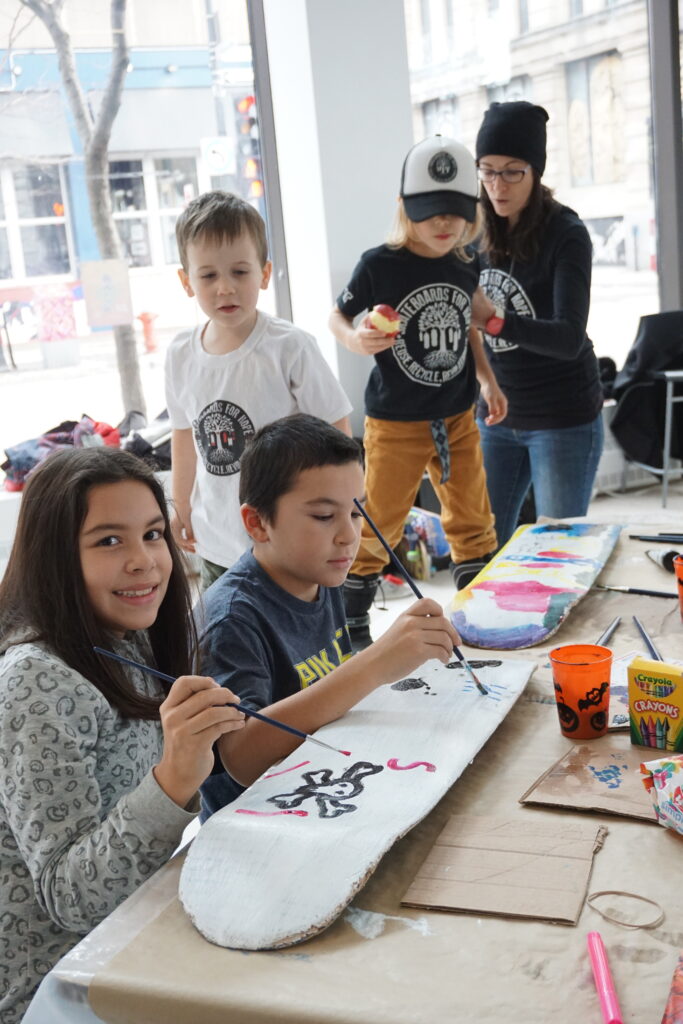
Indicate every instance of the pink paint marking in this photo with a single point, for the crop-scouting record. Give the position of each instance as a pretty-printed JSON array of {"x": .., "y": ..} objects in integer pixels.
[
  {"x": 539, "y": 565},
  {"x": 522, "y": 595},
  {"x": 571, "y": 556},
  {"x": 269, "y": 814},
  {"x": 285, "y": 770},
  {"x": 395, "y": 766}
]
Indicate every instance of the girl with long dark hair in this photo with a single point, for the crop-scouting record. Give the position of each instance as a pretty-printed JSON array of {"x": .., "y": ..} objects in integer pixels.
[{"x": 99, "y": 763}]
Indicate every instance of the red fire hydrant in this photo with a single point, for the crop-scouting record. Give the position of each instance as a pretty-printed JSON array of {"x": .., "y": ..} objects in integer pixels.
[{"x": 148, "y": 333}]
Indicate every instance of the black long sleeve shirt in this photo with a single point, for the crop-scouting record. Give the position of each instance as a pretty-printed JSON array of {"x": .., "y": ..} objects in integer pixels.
[{"x": 543, "y": 358}]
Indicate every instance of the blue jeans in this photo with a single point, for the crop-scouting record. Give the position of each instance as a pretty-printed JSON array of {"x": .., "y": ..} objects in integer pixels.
[{"x": 561, "y": 464}]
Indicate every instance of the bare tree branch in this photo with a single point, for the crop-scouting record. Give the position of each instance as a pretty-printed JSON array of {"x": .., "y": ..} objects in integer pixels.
[
  {"x": 49, "y": 14},
  {"x": 117, "y": 75},
  {"x": 14, "y": 31},
  {"x": 12, "y": 37},
  {"x": 95, "y": 135}
]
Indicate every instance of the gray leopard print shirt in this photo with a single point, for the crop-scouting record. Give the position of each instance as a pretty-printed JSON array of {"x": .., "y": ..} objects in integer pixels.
[{"x": 82, "y": 820}]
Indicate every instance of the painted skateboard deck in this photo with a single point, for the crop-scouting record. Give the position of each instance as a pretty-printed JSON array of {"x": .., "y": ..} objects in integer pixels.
[
  {"x": 526, "y": 592},
  {"x": 281, "y": 862}
]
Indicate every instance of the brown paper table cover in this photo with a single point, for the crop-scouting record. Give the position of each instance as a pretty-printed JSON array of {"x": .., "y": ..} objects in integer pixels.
[{"x": 421, "y": 966}]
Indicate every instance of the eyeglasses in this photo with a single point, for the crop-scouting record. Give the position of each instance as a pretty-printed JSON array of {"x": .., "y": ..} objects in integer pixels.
[{"x": 510, "y": 175}]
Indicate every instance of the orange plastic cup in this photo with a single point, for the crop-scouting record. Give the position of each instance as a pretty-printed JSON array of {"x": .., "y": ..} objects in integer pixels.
[
  {"x": 678, "y": 567},
  {"x": 581, "y": 674}
]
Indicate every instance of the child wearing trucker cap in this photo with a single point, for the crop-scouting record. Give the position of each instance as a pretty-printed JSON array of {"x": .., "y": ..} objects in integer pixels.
[{"x": 420, "y": 394}]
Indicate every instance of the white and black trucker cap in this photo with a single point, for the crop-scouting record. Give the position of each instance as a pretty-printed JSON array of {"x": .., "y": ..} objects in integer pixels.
[{"x": 439, "y": 177}]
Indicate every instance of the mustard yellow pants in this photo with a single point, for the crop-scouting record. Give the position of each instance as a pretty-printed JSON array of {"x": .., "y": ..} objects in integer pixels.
[{"x": 396, "y": 456}]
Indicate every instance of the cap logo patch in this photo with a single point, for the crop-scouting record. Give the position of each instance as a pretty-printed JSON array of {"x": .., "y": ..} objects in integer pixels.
[{"x": 442, "y": 167}]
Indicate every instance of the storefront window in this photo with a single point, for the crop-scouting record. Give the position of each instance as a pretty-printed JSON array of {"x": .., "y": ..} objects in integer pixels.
[
  {"x": 35, "y": 194},
  {"x": 135, "y": 241},
  {"x": 518, "y": 88},
  {"x": 176, "y": 181},
  {"x": 127, "y": 186},
  {"x": 441, "y": 117},
  {"x": 169, "y": 240},
  {"x": 186, "y": 122},
  {"x": 5, "y": 263},
  {"x": 45, "y": 249},
  {"x": 595, "y": 118},
  {"x": 38, "y": 191}
]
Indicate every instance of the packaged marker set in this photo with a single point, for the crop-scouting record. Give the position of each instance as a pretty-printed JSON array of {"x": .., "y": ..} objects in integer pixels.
[
  {"x": 663, "y": 779},
  {"x": 655, "y": 700}
]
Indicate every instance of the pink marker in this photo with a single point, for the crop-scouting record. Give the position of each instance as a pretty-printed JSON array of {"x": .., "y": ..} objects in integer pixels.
[{"x": 603, "y": 980}]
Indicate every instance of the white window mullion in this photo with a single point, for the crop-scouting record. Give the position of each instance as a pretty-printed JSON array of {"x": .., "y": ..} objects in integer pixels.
[
  {"x": 156, "y": 245},
  {"x": 16, "y": 251},
  {"x": 66, "y": 219}
]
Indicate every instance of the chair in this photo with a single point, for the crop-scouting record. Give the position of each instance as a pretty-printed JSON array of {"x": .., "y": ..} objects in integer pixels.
[{"x": 647, "y": 422}]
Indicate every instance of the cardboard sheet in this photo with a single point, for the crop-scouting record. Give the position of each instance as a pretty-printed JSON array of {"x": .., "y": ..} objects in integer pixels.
[
  {"x": 511, "y": 867},
  {"x": 596, "y": 775}
]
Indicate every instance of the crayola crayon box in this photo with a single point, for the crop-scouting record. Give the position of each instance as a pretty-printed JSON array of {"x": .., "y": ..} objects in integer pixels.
[{"x": 655, "y": 700}]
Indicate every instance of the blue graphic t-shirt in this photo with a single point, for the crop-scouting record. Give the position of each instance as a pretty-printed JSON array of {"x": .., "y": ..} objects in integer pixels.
[
  {"x": 264, "y": 644},
  {"x": 429, "y": 371}
]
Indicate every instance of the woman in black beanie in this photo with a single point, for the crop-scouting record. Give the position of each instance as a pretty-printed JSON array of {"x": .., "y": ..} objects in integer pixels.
[{"x": 536, "y": 256}]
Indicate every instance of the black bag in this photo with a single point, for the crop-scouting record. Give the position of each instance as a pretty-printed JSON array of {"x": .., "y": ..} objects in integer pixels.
[{"x": 638, "y": 421}]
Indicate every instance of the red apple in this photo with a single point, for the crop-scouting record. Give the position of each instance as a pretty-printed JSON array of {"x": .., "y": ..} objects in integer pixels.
[{"x": 385, "y": 319}]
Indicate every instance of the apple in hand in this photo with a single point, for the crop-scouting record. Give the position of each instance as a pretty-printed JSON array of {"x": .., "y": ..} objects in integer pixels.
[{"x": 385, "y": 319}]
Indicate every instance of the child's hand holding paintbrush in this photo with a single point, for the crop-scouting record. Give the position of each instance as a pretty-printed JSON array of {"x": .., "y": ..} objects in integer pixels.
[
  {"x": 418, "y": 634},
  {"x": 416, "y": 608}
]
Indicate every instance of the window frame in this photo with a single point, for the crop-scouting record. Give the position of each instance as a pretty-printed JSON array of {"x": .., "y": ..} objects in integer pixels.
[{"x": 13, "y": 222}]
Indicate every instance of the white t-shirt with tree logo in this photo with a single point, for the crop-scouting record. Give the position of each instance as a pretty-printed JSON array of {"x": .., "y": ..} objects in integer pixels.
[{"x": 225, "y": 399}]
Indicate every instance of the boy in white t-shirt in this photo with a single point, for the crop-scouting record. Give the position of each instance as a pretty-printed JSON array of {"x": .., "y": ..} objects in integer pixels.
[{"x": 241, "y": 370}]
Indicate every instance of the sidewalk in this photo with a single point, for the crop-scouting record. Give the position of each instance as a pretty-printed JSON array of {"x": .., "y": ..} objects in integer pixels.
[{"x": 33, "y": 399}]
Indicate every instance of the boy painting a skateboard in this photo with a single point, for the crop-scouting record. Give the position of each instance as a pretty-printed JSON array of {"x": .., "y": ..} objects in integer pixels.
[{"x": 273, "y": 628}]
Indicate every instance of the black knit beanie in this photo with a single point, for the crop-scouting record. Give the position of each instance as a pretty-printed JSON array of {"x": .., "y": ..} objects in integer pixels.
[{"x": 514, "y": 129}]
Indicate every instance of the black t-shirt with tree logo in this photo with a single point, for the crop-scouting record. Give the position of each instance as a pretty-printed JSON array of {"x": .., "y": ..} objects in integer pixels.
[{"x": 429, "y": 371}]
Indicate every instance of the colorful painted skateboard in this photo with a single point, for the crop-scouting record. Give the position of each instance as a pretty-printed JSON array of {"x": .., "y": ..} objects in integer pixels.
[
  {"x": 525, "y": 593},
  {"x": 279, "y": 864}
]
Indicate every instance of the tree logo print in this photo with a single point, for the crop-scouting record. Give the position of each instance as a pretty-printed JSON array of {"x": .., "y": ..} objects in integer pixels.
[
  {"x": 221, "y": 431},
  {"x": 431, "y": 348},
  {"x": 504, "y": 291},
  {"x": 439, "y": 327}
]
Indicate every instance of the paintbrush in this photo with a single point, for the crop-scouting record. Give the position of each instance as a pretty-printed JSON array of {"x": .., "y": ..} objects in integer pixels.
[
  {"x": 604, "y": 637},
  {"x": 648, "y": 642},
  {"x": 660, "y": 538},
  {"x": 416, "y": 590},
  {"x": 246, "y": 711},
  {"x": 635, "y": 590}
]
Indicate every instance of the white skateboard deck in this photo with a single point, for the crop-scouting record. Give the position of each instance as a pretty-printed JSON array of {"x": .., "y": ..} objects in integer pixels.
[{"x": 281, "y": 862}]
